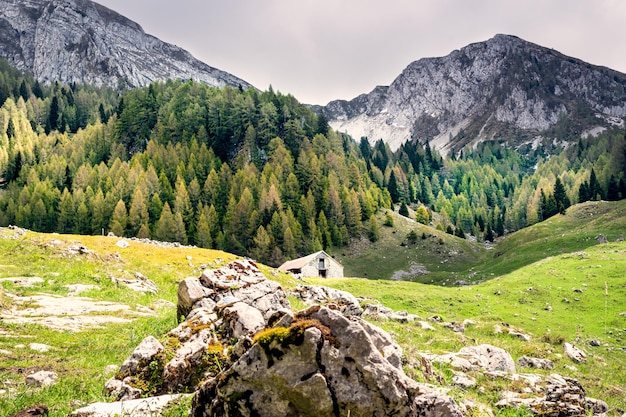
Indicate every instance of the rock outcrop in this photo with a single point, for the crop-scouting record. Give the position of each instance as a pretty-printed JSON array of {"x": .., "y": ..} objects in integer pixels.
[
  {"x": 80, "y": 41},
  {"x": 244, "y": 352},
  {"x": 504, "y": 84},
  {"x": 323, "y": 364}
]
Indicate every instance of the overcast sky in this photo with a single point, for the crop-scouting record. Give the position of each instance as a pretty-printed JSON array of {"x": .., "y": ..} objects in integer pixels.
[{"x": 321, "y": 50}]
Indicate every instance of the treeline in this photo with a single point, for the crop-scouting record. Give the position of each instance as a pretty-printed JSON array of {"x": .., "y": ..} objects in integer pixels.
[{"x": 258, "y": 173}]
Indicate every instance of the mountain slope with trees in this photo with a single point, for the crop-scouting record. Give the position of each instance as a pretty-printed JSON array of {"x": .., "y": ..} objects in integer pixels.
[{"x": 258, "y": 173}]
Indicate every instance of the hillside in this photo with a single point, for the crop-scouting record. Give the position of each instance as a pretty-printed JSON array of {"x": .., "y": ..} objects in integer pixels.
[
  {"x": 571, "y": 297},
  {"x": 502, "y": 89},
  {"x": 83, "y": 42},
  {"x": 436, "y": 257}
]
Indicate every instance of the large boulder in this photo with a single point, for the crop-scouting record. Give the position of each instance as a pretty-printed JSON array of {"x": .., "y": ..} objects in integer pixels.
[{"x": 323, "y": 364}]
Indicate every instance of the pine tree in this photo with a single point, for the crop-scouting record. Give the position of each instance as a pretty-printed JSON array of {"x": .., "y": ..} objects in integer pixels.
[
  {"x": 422, "y": 215},
  {"x": 138, "y": 214},
  {"x": 612, "y": 189},
  {"x": 262, "y": 245},
  {"x": 166, "y": 226},
  {"x": 180, "y": 233},
  {"x": 560, "y": 197},
  {"x": 98, "y": 216},
  {"x": 66, "y": 217},
  {"x": 374, "y": 229},
  {"x": 82, "y": 226},
  {"x": 119, "y": 219},
  {"x": 203, "y": 232},
  {"x": 404, "y": 210}
]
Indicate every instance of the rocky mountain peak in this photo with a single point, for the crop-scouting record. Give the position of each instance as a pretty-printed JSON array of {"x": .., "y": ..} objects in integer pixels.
[
  {"x": 503, "y": 88},
  {"x": 84, "y": 42}
]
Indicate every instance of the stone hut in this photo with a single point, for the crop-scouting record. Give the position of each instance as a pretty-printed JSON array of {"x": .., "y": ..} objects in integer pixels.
[{"x": 318, "y": 264}]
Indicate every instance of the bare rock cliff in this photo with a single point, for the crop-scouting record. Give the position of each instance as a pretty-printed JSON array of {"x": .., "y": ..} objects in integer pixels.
[
  {"x": 81, "y": 41},
  {"x": 504, "y": 88}
]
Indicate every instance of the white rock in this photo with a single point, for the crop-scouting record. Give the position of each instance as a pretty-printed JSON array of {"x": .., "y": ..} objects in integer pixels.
[
  {"x": 574, "y": 353},
  {"x": 39, "y": 347},
  {"x": 144, "y": 407},
  {"x": 425, "y": 325},
  {"x": 122, "y": 244},
  {"x": 41, "y": 379},
  {"x": 77, "y": 289}
]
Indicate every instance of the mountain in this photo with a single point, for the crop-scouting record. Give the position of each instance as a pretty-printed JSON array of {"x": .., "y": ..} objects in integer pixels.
[
  {"x": 504, "y": 88},
  {"x": 84, "y": 42}
]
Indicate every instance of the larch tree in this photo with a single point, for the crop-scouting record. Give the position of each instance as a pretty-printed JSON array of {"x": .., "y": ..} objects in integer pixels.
[
  {"x": 119, "y": 219},
  {"x": 165, "y": 227}
]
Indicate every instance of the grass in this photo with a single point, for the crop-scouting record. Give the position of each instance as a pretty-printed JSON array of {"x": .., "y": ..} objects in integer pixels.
[
  {"x": 81, "y": 372},
  {"x": 557, "y": 263}
]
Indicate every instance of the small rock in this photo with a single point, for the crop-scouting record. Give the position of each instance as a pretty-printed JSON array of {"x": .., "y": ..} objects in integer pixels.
[
  {"x": 122, "y": 244},
  {"x": 488, "y": 358},
  {"x": 39, "y": 347},
  {"x": 521, "y": 336},
  {"x": 425, "y": 325},
  {"x": 144, "y": 407},
  {"x": 41, "y": 379},
  {"x": 76, "y": 289},
  {"x": 574, "y": 353},
  {"x": 36, "y": 411},
  {"x": 538, "y": 363},
  {"x": 594, "y": 342},
  {"x": 463, "y": 380},
  {"x": 24, "y": 281}
]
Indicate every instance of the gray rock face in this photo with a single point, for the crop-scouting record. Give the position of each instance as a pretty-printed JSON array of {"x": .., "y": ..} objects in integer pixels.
[
  {"x": 331, "y": 367},
  {"x": 136, "y": 366},
  {"x": 81, "y": 41},
  {"x": 476, "y": 92}
]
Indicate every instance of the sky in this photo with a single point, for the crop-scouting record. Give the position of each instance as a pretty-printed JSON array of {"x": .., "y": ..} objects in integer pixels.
[{"x": 322, "y": 50}]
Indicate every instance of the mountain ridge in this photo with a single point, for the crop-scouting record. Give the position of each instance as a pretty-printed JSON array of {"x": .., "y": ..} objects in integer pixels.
[
  {"x": 80, "y": 41},
  {"x": 504, "y": 86}
]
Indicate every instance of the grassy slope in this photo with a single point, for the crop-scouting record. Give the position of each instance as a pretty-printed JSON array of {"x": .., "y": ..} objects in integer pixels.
[
  {"x": 517, "y": 298},
  {"x": 458, "y": 259},
  {"x": 446, "y": 257}
]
